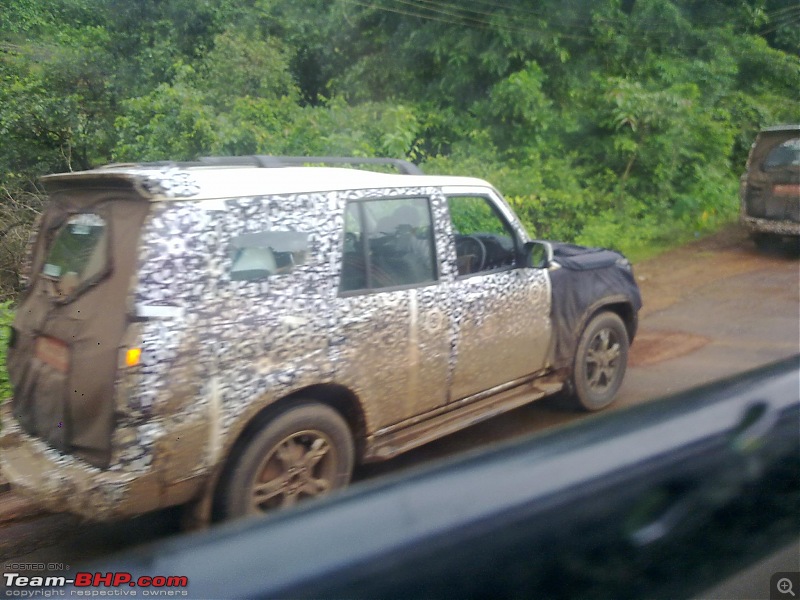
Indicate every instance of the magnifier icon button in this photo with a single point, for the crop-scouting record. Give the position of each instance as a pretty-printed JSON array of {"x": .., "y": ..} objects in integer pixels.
[{"x": 784, "y": 586}]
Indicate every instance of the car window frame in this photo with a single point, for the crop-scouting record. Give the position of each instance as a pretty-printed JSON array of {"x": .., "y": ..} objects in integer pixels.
[
  {"x": 501, "y": 209},
  {"x": 258, "y": 240},
  {"x": 364, "y": 226},
  {"x": 50, "y": 232}
]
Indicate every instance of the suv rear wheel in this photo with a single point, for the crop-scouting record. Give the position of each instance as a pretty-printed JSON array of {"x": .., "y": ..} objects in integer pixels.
[
  {"x": 304, "y": 452},
  {"x": 600, "y": 362}
]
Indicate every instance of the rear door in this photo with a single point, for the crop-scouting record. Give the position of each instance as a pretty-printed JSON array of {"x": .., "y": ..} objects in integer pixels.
[
  {"x": 71, "y": 319},
  {"x": 392, "y": 310}
]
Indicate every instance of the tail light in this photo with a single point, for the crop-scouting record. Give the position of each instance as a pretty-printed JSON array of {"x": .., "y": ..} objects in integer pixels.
[
  {"x": 133, "y": 356},
  {"x": 786, "y": 189}
]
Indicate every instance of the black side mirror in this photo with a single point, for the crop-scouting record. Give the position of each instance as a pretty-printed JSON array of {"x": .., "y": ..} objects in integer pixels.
[{"x": 538, "y": 255}]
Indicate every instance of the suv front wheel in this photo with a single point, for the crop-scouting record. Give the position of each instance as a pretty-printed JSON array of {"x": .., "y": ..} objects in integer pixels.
[
  {"x": 304, "y": 452},
  {"x": 600, "y": 362}
]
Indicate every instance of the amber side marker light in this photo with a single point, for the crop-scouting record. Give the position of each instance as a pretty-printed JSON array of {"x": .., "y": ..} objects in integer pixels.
[{"x": 133, "y": 356}]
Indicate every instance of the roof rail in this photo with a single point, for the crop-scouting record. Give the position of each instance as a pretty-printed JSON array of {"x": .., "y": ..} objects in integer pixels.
[
  {"x": 151, "y": 164},
  {"x": 266, "y": 161}
]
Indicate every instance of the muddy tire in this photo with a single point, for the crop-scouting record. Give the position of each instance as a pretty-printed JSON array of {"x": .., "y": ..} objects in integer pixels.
[
  {"x": 304, "y": 452},
  {"x": 600, "y": 362}
]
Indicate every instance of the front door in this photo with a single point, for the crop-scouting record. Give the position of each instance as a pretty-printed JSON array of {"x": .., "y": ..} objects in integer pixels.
[{"x": 502, "y": 308}]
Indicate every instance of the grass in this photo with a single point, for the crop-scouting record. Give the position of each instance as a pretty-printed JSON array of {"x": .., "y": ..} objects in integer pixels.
[
  {"x": 637, "y": 253},
  {"x": 642, "y": 250},
  {"x": 6, "y": 316}
]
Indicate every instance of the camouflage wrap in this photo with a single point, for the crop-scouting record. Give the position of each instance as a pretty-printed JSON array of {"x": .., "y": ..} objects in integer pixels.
[{"x": 216, "y": 351}]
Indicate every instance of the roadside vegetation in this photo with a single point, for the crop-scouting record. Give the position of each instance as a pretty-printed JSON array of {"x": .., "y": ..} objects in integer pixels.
[
  {"x": 6, "y": 315},
  {"x": 622, "y": 123}
]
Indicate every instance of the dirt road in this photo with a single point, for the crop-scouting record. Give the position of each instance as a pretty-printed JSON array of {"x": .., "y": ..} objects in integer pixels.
[{"x": 713, "y": 308}]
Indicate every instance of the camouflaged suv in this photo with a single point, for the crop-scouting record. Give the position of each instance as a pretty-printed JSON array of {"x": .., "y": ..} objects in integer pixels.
[{"x": 237, "y": 334}]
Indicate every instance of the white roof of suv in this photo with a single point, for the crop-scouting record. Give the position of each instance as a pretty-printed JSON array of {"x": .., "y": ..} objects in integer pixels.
[{"x": 202, "y": 182}]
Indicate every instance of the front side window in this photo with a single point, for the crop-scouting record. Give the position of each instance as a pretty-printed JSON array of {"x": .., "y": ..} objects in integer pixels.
[
  {"x": 387, "y": 243},
  {"x": 78, "y": 253},
  {"x": 260, "y": 255},
  {"x": 484, "y": 240}
]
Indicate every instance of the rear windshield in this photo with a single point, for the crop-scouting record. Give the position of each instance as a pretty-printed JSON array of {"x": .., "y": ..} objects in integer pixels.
[
  {"x": 784, "y": 155},
  {"x": 78, "y": 252}
]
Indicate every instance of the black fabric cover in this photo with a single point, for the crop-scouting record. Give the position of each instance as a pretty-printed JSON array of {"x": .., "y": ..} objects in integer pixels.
[{"x": 588, "y": 277}]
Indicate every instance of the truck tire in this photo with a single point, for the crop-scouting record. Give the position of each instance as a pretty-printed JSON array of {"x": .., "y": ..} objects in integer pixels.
[
  {"x": 600, "y": 362},
  {"x": 304, "y": 452}
]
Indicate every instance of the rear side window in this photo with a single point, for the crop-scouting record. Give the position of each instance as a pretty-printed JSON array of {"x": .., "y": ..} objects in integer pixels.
[
  {"x": 267, "y": 253},
  {"x": 784, "y": 155},
  {"x": 78, "y": 252}
]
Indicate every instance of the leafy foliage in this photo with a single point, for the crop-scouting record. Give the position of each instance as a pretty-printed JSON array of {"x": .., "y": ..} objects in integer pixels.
[{"x": 613, "y": 122}]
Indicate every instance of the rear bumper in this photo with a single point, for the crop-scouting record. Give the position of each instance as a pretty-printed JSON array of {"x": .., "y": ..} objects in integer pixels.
[
  {"x": 59, "y": 482},
  {"x": 776, "y": 227}
]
